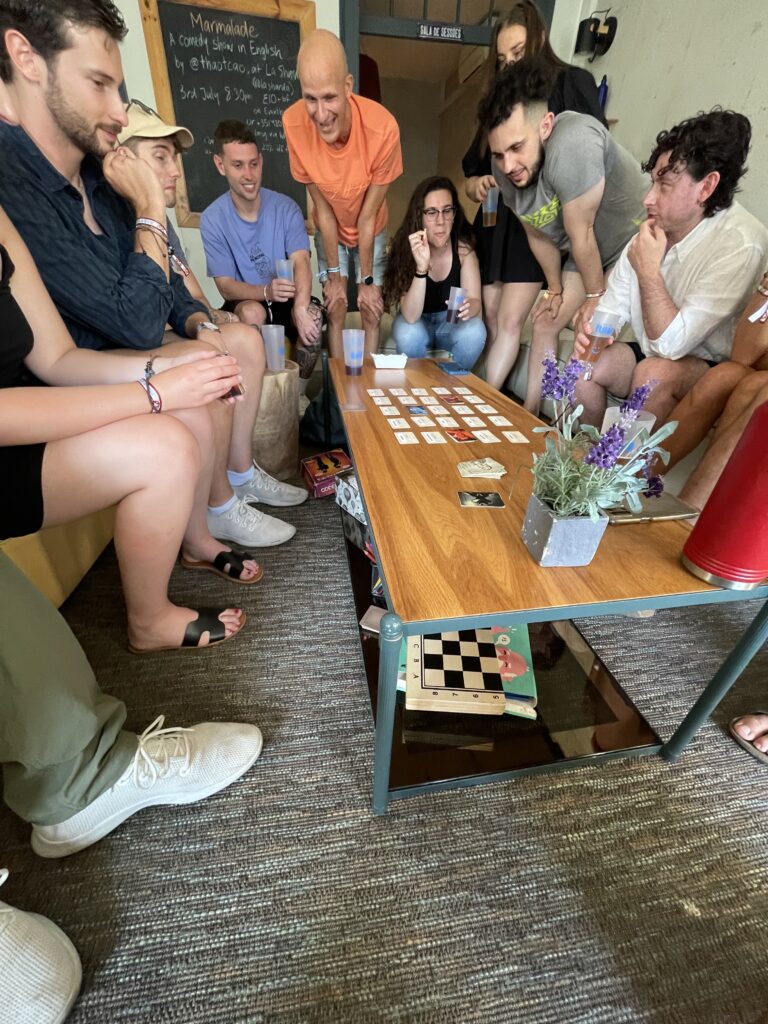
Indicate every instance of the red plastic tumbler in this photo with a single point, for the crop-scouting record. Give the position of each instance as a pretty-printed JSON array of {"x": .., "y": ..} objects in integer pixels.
[{"x": 728, "y": 546}]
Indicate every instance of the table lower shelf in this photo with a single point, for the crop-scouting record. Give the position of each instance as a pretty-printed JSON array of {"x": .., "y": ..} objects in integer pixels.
[{"x": 583, "y": 715}]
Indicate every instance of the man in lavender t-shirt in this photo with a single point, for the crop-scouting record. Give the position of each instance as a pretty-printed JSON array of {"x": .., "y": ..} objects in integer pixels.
[{"x": 247, "y": 230}]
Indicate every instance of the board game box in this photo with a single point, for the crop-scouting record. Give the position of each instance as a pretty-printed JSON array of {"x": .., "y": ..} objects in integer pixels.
[{"x": 320, "y": 471}]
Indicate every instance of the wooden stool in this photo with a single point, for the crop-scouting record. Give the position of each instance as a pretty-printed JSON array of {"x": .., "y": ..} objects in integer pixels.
[{"x": 276, "y": 431}]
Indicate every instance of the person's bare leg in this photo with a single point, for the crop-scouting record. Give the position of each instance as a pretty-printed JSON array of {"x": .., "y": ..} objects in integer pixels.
[
  {"x": 754, "y": 729},
  {"x": 246, "y": 344},
  {"x": 198, "y": 544},
  {"x": 515, "y": 304},
  {"x": 612, "y": 373},
  {"x": 251, "y": 312},
  {"x": 491, "y": 294},
  {"x": 147, "y": 465},
  {"x": 750, "y": 394},
  {"x": 337, "y": 316},
  {"x": 546, "y": 335},
  {"x": 674, "y": 379},
  {"x": 372, "y": 328},
  {"x": 698, "y": 411}
]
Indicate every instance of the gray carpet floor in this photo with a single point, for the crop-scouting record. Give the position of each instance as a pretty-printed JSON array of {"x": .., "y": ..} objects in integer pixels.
[{"x": 631, "y": 892}]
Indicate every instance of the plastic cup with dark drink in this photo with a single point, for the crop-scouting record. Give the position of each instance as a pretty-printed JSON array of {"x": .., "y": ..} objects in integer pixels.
[
  {"x": 354, "y": 348},
  {"x": 274, "y": 345},
  {"x": 490, "y": 206},
  {"x": 456, "y": 300},
  {"x": 604, "y": 325},
  {"x": 284, "y": 269}
]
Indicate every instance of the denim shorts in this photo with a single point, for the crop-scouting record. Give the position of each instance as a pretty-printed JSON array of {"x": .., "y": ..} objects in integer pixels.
[{"x": 351, "y": 252}]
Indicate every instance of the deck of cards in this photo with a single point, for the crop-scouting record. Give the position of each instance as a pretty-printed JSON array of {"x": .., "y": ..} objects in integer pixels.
[{"x": 487, "y": 469}]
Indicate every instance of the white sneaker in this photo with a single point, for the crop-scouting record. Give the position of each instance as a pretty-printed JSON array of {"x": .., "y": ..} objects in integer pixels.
[
  {"x": 171, "y": 766},
  {"x": 41, "y": 969},
  {"x": 264, "y": 487},
  {"x": 249, "y": 527}
]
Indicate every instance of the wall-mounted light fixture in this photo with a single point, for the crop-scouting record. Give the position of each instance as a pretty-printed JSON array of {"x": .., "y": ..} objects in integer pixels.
[{"x": 595, "y": 37}]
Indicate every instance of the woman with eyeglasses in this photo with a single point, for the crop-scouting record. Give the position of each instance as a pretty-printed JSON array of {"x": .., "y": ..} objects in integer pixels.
[
  {"x": 432, "y": 252},
  {"x": 511, "y": 276}
]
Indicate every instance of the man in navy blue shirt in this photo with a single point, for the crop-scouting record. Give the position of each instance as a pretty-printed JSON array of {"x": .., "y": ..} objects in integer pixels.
[{"x": 89, "y": 214}]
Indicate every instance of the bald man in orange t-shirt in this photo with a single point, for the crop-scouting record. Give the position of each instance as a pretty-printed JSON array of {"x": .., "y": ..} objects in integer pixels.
[{"x": 346, "y": 149}]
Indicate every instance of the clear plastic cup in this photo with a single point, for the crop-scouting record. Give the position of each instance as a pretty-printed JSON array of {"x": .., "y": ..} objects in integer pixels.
[
  {"x": 643, "y": 422},
  {"x": 456, "y": 298},
  {"x": 354, "y": 348},
  {"x": 605, "y": 325},
  {"x": 274, "y": 344},
  {"x": 284, "y": 269},
  {"x": 490, "y": 206}
]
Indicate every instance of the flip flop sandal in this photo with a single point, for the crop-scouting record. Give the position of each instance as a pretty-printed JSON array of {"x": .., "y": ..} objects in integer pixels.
[
  {"x": 207, "y": 621},
  {"x": 229, "y": 564},
  {"x": 747, "y": 745}
]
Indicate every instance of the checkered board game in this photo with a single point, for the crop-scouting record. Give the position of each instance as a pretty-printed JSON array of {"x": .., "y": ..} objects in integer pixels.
[{"x": 454, "y": 672}]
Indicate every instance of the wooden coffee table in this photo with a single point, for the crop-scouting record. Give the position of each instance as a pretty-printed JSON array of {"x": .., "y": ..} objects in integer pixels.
[{"x": 447, "y": 568}]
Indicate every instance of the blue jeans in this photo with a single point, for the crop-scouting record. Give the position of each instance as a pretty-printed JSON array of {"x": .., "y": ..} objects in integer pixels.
[{"x": 464, "y": 340}]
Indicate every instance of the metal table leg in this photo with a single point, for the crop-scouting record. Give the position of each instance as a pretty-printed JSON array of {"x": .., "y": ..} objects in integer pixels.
[
  {"x": 744, "y": 651},
  {"x": 390, "y": 640}
]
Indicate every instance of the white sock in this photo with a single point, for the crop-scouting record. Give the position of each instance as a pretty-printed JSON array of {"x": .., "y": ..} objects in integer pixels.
[
  {"x": 236, "y": 479},
  {"x": 219, "y": 510}
]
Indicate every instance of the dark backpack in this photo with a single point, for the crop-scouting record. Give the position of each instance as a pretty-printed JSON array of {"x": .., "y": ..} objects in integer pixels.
[{"x": 321, "y": 423}]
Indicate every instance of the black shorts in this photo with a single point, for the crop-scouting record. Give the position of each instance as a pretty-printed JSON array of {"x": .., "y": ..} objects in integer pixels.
[
  {"x": 22, "y": 464},
  {"x": 640, "y": 355},
  {"x": 277, "y": 313}
]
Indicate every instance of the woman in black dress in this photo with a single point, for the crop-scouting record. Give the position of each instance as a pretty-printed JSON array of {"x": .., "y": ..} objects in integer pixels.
[{"x": 511, "y": 277}]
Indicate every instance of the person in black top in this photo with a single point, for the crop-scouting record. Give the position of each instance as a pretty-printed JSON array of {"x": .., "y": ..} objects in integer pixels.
[
  {"x": 432, "y": 252},
  {"x": 511, "y": 276}
]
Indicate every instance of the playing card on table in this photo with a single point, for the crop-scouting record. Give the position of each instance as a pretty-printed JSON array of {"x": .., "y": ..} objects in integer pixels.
[
  {"x": 463, "y": 410},
  {"x": 515, "y": 436},
  {"x": 473, "y": 421},
  {"x": 481, "y": 499},
  {"x": 375, "y": 392},
  {"x": 383, "y": 400},
  {"x": 487, "y": 468},
  {"x": 486, "y": 408},
  {"x": 447, "y": 421},
  {"x": 500, "y": 421},
  {"x": 428, "y": 400},
  {"x": 487, "y": 437},
  {"x": 390, "y": 410},
  {"x": 406, "y": 437},
  {"x": 461, "y": 436},
  {"x": 442, "y": 391},
  {"x": 474, "y": 399},
  {"x": 438, "y": 410},
  {"x": 419, "y": 391},
  {"x": 462, "y": 391},
  {"x": 398, "y": 391},
  {"x": 405, "y": 400},
  {"x": 399, "y": 424},
  {"x": 452, "y": 399},
  {"x": 423, "y": 421},
  {"x": 416, "y": 410},
  {"x": 433, "y": 437}
]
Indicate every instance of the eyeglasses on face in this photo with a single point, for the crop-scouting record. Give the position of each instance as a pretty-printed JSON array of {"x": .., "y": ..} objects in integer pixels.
[{"x": 447, "y": 212}]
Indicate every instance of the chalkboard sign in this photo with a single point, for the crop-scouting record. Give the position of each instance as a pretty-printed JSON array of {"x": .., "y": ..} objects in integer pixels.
[{"x": 210, "y": 64}]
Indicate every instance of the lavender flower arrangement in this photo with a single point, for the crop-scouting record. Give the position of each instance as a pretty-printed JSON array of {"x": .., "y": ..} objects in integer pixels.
[{"x": 581, "y": 471}]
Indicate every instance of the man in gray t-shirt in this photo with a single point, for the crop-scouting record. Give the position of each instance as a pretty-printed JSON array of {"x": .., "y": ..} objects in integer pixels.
[{"x": 575, "y": 190}]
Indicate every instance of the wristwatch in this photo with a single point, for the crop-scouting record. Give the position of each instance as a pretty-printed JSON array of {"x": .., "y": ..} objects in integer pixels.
[
  {"x": 368, "y": 280},
  {"x": 206, "y": 325}
]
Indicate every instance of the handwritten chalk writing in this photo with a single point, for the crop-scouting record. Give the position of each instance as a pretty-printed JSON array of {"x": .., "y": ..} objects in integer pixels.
[{"x": 227, "y": 28}]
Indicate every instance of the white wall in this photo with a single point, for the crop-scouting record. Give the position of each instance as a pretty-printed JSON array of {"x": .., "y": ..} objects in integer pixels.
[
  {"x": 671, "y": 60},
  {"x": 138, "y": 81}
]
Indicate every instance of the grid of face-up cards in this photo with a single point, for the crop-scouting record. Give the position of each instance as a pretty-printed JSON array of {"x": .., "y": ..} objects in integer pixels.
[{"x": 440, "y": 415}]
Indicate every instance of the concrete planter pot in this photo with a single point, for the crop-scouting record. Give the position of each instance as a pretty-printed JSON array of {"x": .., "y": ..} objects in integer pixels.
[{"x": 553, "y": 540}]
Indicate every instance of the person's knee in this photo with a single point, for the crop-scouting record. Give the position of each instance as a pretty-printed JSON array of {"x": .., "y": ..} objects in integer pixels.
[
  {"x": 369, "y": 319},
  {"x": 410, "y": 339},
  {"x": 751, "y": 387},
  {"x": 246, "y": 344},
  {"x": 718, "y": 383},
  {"x": 251, "y": 312},
  {"x": 169, "y": 448}
]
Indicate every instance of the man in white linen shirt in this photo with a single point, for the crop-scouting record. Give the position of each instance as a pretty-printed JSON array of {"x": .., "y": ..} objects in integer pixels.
[{"x": 684, "y": 279}]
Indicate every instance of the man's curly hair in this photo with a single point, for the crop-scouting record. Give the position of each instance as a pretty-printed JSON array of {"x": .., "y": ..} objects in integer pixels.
[
  {"x": 714, "y": 141},
  {"x": 528, "y": 82},
  {"x": 46, "y": 24}
]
